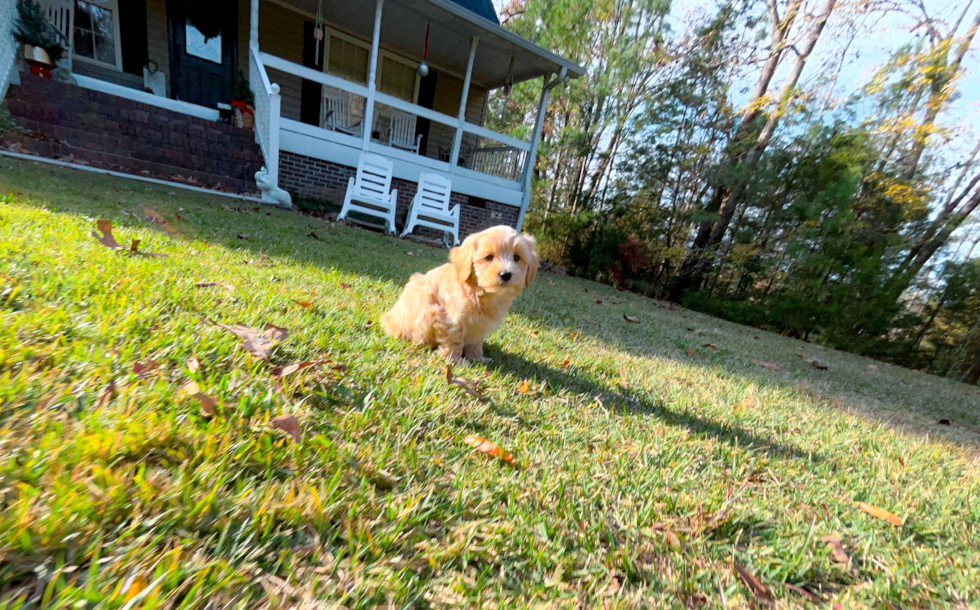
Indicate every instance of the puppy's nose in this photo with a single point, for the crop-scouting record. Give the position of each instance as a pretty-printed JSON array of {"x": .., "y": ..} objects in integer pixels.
[{"x": 506, "y": 275}]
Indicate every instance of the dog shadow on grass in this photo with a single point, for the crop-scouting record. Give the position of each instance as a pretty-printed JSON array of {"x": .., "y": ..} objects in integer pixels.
[{"x": 635, "y": 403}]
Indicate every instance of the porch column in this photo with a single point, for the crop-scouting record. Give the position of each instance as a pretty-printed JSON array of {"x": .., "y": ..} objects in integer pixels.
[
  {"x": 368, "y": 122},
  {"x": 253, "y": 28},
  {"x": 458, "y": 138},
  {"x": 532, "y": 154}
]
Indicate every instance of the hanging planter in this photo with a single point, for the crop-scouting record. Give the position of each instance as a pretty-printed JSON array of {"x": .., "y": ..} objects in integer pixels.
[{"x": 207, "y": 16}]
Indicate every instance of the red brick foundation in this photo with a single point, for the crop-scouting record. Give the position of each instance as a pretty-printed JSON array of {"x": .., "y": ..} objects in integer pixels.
[
  {"x": 65, "y": 121},
  {"x": 309, "y": 177}
]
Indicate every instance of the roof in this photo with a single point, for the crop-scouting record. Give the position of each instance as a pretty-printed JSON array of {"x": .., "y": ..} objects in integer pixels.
[{"x": 483, "y": 8}]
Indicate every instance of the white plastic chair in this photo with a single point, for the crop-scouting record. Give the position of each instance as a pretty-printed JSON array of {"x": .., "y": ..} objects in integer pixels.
[
  {"x": 401, "y": 133},
  {"x": 371, "y": 186},
  {"x": 335, "y": 113},
  {"x": 430, "y": 207}
]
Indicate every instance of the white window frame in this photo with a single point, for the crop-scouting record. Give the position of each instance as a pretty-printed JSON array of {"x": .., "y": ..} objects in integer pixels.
[
  {"x": 114, "y": 8},
  {"x": 328, "y": 32}
]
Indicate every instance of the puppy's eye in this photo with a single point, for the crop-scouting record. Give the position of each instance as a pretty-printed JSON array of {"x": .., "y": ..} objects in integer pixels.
[
  {"x": 488, "y": 257},
  {"x": 516, "y": 258}
]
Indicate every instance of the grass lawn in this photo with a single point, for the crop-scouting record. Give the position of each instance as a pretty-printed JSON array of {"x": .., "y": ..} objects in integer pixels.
[{"x": 663, "y": 462}]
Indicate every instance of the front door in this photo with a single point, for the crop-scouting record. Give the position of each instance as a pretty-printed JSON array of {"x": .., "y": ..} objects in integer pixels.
[{"x": 203, "y": 37}]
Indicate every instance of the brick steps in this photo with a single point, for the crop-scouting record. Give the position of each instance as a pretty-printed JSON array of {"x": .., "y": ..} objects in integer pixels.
[{"x": 69, "y": 122}]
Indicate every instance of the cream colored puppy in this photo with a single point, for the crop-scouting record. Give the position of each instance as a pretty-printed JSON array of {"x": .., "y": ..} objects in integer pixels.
[{"x": 456, "y": 306}]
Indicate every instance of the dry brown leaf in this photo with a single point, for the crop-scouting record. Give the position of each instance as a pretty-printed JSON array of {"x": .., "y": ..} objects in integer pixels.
[
  {"x": 133, "y": 587},
  {"x": 813, "y": 597},
  {"x": 106, "y": 394},
  {"x": 289, "y": 424},
  {"x": 574, "y": 334},
  {"x": 745, "y": 403},
  {"x": 134, "y": 246},
  {"x": 692, "y": 352},
  {"x": 567, "y": 361},
  {"x": 711, "y": 346},
  {"x": 466, "y": 384},
  {"x": 193, "y": 365},
  {"x": 633, "y": 319},
  {"x": 289, "y": 369},
  {"x": 836, "y": 549},
  {"x": 673, "y": 540},
  {"x": 242, "y": 236},
  {"x": 304, "y": 304},
  {"x": 207, "y": 403},
  {"x": 345, "y": 286},
  {"x": 758, "y": 589},
  {"x": 767, "y": 365},
  {"x": 880, "y": 513},
  {"x": 253, "y": 341},
  {"x": 276, "y": 333},
  {"x": 524, "y": 388},
  {"x": 160, "y": 220},
  {"x": 485, "y": 446},
  {"x": 622, "y": 377},
  {"x": 599, "y": 302},
  {"x": 225, "y": 285},
  {"x": 817, "y": 365},
  {"x": 534, "y": 333},
  {"x": 144, "y": 367},
  {"x": 106, "y": 239}
]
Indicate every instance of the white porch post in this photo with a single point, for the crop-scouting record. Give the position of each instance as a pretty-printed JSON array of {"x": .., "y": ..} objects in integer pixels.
[
  {"x": 458, "y": 138},
  {"x": 368, "y": 122},
  {"x": 275, "y": 103},
  {"x": 532, "y": 154},
  {"x": 253, "y": 29}
]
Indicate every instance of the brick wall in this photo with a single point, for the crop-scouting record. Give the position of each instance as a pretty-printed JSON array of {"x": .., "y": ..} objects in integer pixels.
[
  {"x": 65, "y": 121},
  {"x": 309, "y": 177}
]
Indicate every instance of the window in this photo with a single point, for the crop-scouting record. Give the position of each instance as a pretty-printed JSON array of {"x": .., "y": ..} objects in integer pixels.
[
  {"x": 347, "y": 59},
  {"x": 199, "y": 46},
  {"x": 96, "y": 35},
  {"x": 397, "y": 79}
]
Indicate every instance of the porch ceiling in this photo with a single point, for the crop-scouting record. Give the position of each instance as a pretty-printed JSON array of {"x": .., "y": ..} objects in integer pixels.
[{"x": 403, "y": 25}]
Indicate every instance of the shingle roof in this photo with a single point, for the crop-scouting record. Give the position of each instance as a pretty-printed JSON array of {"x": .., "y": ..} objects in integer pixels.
[{"x": 483, "y": 8}]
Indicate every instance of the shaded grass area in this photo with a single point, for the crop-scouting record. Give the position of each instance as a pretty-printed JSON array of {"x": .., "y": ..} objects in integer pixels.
[{"x": 649, "y": 465}]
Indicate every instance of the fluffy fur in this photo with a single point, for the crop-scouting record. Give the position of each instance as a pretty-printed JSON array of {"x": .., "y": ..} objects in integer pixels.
[{"x": 456, "y": 306}]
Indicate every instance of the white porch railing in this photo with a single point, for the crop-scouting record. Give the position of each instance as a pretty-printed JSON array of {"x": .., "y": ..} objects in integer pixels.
[
  {"x": 488, "y": 156},
  {"x": 8, "y": 46},
  {"x": 267, "y": 111}
]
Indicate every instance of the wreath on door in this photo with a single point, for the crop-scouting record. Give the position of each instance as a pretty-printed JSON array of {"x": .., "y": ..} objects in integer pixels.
[{"x": 207, "y": 16}]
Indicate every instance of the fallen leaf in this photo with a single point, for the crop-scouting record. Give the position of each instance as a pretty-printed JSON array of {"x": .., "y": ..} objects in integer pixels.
[
  {"x": 225, "y": 285},
  {"x": 551, "y": 282},
  {"x": 599, "y": 302},
  {"x": 524, "y": 388},
  {"x": 872, "y": 367},
  {"x": 633, "y": 319},
  {"x": 750, "y": 581},
  {"x": 710, "y": 346},
  {"x": 305, "y": 304},
  {"x": 207, "y": 403},
  {"x": 817, "y": 365},
  {"x": 134, "y": 586},
  {"x": 485, "y": 446},
  {"x": 409, "y": 253},
  {"x": 289, "y": 369},
  {"x": 160, "y": 220},
  {"x": 276, "y": 333},
  {"x": 745, "y": 403},
  {"x": 106, "y": 394},
  {"x": 836, "y": 549},
  {"x": 622, "y": 377},
  {"x": 466, "y": 384},
  {"x": 314, "y": 235},
  {"x": 692, "y": 352},
  {"x": 805, "y": 593},
  {"x": 143, "y": 367},
  {"x": 564, "y": 365},
  {"x": 944, "y": 422},
  {"x": 134, "y": 246},
  {"x": 289, "y": 424},
  {"x": 673, "y": 540},
  {"x": 534, "y": 333},
  {"x": 585, "y": 289},
  {"x": 242, "y": 236},
  {"x": 344, "y": 286},
  {"x": 574, "y": 334},
  {"x": 254, "y": 341},
  {"x": 880, "y": 513},
  {"x": 106, "y": 239},
  {"x": 767, "y": 365},
  {"x": 193, "y": 365}
]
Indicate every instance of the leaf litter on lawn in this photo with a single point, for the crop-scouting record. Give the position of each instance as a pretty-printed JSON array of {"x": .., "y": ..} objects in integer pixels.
[{"x": 255, "y": 341}]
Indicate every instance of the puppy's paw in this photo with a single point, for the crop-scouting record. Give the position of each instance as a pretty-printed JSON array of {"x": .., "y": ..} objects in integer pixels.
[
  {"x": 451, "y": 354},
  {"x": 474, "y": 353}
]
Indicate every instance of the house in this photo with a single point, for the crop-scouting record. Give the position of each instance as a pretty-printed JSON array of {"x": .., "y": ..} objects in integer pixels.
[{"x": 331, "y": 79}]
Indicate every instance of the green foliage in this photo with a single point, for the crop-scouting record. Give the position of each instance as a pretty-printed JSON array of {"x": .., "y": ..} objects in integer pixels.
[
  {"x": 32, "y": 28},
  {"x": 242, "y": 91}
]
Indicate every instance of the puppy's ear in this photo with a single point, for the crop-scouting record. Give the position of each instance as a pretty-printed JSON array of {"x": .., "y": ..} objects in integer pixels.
[
  {"x": 533, "y": 260},
  {"x": 462, "y": 258}
]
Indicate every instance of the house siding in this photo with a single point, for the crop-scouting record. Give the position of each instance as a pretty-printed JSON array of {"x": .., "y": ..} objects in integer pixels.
[{"x": 158, "y": 37}]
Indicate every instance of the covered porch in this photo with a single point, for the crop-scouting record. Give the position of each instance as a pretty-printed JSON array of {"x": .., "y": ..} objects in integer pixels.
[{"x": 354, "y": 86}]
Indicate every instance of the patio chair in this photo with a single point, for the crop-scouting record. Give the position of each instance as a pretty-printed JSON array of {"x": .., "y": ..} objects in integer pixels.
[
  {"x": 430, "y": 207},
  {"x": 370, "y": 189},
  {"x": 401, "y": 132},
  {"x": 335, "y": 114}
]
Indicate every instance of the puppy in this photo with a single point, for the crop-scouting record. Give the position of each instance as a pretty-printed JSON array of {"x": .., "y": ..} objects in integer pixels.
[{"x": 456, "y": 306}]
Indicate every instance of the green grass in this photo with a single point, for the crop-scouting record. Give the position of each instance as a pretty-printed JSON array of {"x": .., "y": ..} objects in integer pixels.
[{"x": 645, "y": 469}]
